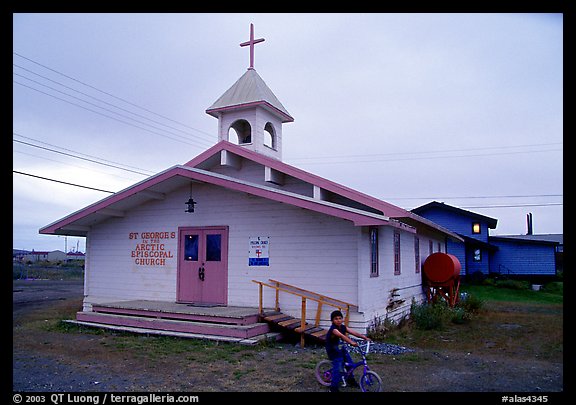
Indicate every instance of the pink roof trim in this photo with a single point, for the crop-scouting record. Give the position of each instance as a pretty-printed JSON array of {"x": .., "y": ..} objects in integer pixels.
[
  {"x": 359, "y": 219},
  {"x": 189, "y": 170},
  {"x": 286, "y": 117},
  {"x": 388, "y": 209}
]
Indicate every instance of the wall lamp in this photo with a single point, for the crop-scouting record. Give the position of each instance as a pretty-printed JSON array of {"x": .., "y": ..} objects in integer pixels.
[{"x": 190, "y": 203}]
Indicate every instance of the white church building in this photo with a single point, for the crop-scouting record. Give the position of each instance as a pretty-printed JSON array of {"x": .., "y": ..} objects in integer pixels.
[{"x": 199, "y": 233}]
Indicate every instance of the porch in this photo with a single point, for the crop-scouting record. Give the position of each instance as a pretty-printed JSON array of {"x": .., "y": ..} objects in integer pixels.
[
  {"x": 221, "y": 323},
  {"x": 246, "y": 325}
]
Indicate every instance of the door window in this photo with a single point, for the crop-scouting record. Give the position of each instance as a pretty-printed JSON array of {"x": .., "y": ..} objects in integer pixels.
[
  {"x": 213, "y": 248},
  {"x": 191, "y": 248}
]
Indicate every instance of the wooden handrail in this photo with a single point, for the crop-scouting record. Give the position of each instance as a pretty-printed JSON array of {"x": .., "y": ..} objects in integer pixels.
[
  {"x": 304, "y": 294},
  {"x": 309, "y": 294}
]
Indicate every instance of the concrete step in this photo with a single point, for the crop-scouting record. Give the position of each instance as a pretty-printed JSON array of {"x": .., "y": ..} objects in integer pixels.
[{"x": 176, "y": 325}]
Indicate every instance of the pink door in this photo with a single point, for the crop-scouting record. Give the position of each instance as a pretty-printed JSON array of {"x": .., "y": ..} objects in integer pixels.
[{"x": 203, "y": 265}]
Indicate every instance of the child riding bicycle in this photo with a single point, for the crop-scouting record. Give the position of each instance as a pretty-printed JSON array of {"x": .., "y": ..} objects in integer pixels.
[{"x": 336, "y": 335}]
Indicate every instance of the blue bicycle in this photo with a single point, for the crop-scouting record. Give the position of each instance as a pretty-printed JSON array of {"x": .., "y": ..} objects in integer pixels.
[{"x": 369, "y": 382}]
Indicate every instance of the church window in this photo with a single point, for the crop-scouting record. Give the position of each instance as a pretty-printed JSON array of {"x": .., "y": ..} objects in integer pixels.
[
  {"x": 417, "y": 253},
  {"x": 396, "y": 253},
  {"x": 241, "y": 132},
  {"x": 373, "y": 231},
  {"x": 269, "y": 136}
]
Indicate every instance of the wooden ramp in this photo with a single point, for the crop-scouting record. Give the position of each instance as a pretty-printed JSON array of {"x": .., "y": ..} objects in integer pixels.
[
  {"x": 283, "y": 322},
  {"x": 300, "y": 325}
]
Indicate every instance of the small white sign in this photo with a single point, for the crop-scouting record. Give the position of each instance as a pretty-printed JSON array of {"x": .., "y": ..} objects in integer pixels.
[{"x": 258, "y": 251}]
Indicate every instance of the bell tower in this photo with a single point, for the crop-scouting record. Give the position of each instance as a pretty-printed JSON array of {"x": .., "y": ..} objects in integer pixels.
[{"x": 249, "y": 114}]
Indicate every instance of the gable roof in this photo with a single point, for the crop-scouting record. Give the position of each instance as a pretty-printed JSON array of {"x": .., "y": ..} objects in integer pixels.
[
  {"x": 376, "y": 212},
  {"x": 491, "y": 222},
  {"x": 249, "y": 90},
  {"x": 387, "y": 209},
  {"x": 156, "y": 186},
  {"x": 383, "y": 207}
]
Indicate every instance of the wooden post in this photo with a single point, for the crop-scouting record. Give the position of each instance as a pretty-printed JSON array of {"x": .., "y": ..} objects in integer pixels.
[
  {"x": 347, "y": 318},
  {"x": 277, "y": 307},
  {"x": 260, "y": 306},
  {"x": 318, "y": 312},
  {"x": 303, "y": 322}
]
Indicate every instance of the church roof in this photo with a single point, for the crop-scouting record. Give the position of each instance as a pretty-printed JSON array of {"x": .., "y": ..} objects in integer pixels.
[
  {"x": 249, "y": 90},
  {"x": 159, "y": 185},
  {"x": 384, "y": 208},
  {"x": 368, "y": 210}
]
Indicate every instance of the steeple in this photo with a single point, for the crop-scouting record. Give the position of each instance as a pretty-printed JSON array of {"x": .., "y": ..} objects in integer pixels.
[{"x": 249, "y": 113}]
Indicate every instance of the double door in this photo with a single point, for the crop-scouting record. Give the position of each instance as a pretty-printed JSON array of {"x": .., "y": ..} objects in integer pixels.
[{"x": 203, "y": 265}]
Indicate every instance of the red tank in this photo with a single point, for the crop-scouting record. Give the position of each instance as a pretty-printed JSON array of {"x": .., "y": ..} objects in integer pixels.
[{"x": 440, "y": 268}]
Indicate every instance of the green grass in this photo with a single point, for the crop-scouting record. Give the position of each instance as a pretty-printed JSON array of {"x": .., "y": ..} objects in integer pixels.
[
  {"x": 552, "y": 293},
  {"x": 48, "y": 271}
]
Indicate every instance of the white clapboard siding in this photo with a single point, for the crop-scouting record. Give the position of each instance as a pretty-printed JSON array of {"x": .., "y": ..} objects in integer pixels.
[{"x": 311, "y": 250}]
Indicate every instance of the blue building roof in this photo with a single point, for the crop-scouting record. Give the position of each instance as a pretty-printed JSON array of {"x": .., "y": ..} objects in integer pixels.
[{"x": 491, "y": 222}]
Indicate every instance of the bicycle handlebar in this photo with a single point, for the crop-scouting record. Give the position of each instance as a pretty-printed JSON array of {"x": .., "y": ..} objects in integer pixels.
[{"x": 364, "y": 346}]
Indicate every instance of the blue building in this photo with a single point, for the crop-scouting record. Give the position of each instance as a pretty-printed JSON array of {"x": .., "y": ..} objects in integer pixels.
[
  {"x": 510, "y": 255},
  {"x": 526, "y": 255}
]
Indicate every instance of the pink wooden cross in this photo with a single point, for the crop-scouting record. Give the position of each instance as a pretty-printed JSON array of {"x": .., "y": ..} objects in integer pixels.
[{"x": 252, "y": 42}]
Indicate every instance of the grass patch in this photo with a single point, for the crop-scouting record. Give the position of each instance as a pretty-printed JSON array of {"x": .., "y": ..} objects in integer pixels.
[
  {"x": 551, "y": 293},
  {"x": 502, "y": 322},
  {"x": 73, "y": 270}
]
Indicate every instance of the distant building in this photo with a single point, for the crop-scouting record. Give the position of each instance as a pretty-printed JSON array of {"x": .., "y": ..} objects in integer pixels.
[
  {"x": 75, "y": 256},
  {"x": 38, "y": 256},
  {"x": 510, "y": 255},
  {"x": 534, "y": 255},
  {"x": 475, "y": 252},
  {"x": 18, "y": 254}
]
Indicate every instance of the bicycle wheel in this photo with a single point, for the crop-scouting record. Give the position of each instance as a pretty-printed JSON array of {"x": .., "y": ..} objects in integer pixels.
[
  {"x": 323, "y": 372},
  {"x": 371, "y": 382}
]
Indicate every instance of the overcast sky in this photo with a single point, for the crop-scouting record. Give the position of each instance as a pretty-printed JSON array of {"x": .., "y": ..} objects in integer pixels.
[{"x": 410, "y": 108}]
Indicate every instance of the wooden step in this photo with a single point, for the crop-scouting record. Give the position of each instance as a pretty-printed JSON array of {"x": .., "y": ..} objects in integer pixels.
[
  {"x": 277, "y": 318},
  {"x": 269, "y": 336},
  {"x": 172, "y": 310},
  {"x": 289, "y": 323},
  {"x": 187, "y": 326}
]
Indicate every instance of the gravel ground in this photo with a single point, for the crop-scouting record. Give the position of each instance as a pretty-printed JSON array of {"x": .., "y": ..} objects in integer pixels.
[
  {"x": 388, "y": 348},
  {"x": 50, "y": 360}
]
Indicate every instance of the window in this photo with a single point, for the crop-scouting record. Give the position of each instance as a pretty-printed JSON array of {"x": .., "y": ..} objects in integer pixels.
[
  {"x": 191, "y": 248},
  {"x": 417, "y": 253},
  {"x": 242, "y": 131},
  {"x": 476, "y": 227},
  {"x": 430, "y": 247},
  {"x": 269, "y": 136},
  {"x": 213, "y": 248},
  {"x": 477, "y": 255},
  {"x": 373, "y": 251},
  {"x": 439, "y": 246},
  {"x": 396, "y": 253}
]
